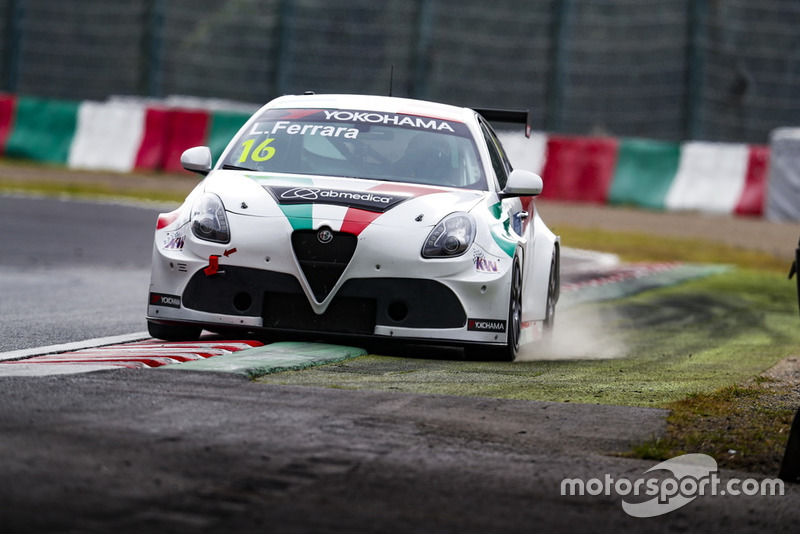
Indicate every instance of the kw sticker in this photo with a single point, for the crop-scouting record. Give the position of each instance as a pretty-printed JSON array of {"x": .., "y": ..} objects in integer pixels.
[
  {"x": 174, "y": 241},
  {"x": 482, "y": 265}
]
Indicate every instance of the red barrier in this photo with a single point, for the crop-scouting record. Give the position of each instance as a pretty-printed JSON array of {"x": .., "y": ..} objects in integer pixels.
[
  {"x": 168, "y": 132},
  {"x": 751, "y": 202},
  {"x": 187, "y": 129},
  {"x": 151, "y": 149},
  {"x": 579, "y": 169},
  {"x": 7, "y": 108}
]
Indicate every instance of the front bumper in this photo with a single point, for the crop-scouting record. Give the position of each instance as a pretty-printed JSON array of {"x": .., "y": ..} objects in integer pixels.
[
  {"x": 261, "y": 300},
  {"x": 262, "y": 284},
  {"x": 358, "y": 307}
]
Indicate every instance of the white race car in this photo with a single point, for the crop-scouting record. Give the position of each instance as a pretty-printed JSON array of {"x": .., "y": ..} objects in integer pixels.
[{"x": 359, "y": 216}]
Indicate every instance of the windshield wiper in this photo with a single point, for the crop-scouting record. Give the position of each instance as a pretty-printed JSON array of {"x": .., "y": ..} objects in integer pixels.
[{"x": 228, "y": 167}]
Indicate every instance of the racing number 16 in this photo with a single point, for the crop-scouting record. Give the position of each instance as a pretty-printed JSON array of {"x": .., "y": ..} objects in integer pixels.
[{"x": 262, "y": 152}]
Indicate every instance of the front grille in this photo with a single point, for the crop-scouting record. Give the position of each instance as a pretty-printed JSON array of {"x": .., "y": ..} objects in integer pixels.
[
  {"x": 358, "y": 306},
  {"x": 345, "y": 315},
  {"x": 323, "y": 263}
]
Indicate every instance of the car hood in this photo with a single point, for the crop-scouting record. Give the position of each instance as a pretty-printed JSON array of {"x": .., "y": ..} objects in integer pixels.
[{"x": 349, "y": 204}]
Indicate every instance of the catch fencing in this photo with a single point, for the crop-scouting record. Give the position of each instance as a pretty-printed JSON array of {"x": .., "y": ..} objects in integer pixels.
[{"x": 714, "y": 70}]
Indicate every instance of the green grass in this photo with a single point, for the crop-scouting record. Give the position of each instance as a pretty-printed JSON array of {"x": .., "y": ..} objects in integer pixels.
[
  {"x": 696, "y": 348},
  {"x": 741, "y": 426},
  {"x": 78, "y": 189},
  {"x": 673, "y": 342},
  {"x": 634, "y": 246},
  {"x": 26, "y": 177}
]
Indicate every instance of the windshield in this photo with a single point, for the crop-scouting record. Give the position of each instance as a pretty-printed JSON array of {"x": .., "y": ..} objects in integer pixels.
[{"x": 362, "y": 144}]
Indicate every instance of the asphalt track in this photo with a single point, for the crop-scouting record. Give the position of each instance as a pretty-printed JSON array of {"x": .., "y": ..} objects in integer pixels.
[
  {"x": 152, "y": 450},
  {"x": 76, "y": 270},
  {"x": 72, "y": 271}
]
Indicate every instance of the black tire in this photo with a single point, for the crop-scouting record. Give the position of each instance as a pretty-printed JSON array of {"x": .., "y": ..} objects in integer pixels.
[
  {"x": 514, "y": 312},
  {"x": 507, "y": 352},
  {"x": 173, "y": 332},
  {"x": 553, "y": 290}
]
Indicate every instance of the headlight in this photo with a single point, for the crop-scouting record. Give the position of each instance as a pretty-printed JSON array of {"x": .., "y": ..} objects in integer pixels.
[
  {"x": 208, "y": 219},
  {"x": 452, "y": 237}
]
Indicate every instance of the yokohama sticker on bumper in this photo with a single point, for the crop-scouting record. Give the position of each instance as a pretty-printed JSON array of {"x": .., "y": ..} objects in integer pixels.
[
  {"x": 486, "y": 325},
  {"x": 172, "y": 301}
]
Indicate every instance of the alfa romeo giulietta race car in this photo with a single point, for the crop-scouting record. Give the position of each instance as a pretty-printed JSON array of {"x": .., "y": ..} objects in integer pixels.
[{"x": 360, "y": 216}]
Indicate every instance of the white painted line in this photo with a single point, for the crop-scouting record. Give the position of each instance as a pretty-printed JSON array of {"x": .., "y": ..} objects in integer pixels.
[
  {"x": 49, "y": 369},
  {"x": 76, "y": 345}
]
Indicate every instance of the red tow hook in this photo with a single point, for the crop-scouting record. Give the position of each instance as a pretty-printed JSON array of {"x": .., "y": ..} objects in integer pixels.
[
  {"x": 213, "y": 262},
  {"x": 213, "y": 266}
]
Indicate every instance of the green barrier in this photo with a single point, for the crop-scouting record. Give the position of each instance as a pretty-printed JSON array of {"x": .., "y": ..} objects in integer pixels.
[
  {"x": 644, "y": 172},
  {"x": 43, "y": 130},
  {"x": 224, "y": 126}
]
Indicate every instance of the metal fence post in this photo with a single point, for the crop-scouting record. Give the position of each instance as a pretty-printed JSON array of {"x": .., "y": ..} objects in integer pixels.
[
  {"x": 283, "y": 49},
  {"x": 422, "y": 52},
  {"x": 153, "y": 49},
  {"x": 695, "y": 65},
  {"x": 13, "y": 44},
  {"x": 556, "y": 84}
]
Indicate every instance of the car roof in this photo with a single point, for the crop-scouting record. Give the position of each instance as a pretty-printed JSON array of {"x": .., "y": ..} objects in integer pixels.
[{"x": 387, "y": 104}]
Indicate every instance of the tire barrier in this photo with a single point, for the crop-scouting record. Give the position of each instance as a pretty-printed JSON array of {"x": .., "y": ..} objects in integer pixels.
[
  {"x": 121, "y": 134},
  {"x": 784, "y": 189},
  {"x": 727, "y": 178},
  {"x": 126, "y": 134}
]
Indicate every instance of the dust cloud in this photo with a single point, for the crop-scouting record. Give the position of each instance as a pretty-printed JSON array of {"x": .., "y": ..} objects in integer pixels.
[{"x": 580, "y": 333}]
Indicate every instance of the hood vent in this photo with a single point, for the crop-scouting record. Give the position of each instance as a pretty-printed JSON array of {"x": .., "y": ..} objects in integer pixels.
[{"x": 323, "y": 256}]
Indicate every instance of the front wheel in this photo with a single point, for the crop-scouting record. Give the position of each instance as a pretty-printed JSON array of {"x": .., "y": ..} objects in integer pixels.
[
  {"x": 173, "y": 332},
  {"x": 553, "y": 290}
]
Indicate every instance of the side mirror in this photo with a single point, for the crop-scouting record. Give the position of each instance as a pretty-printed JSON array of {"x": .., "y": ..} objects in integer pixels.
[
  {"x": 197, "y": 159},
  {"x": 522, "y": 183}
]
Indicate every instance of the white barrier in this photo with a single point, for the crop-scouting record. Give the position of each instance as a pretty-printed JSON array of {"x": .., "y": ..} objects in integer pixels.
[
  {"x": 710, "y": 177},
  {"x": 783, "y": 189},
  {"x": 108, "y": 136}
]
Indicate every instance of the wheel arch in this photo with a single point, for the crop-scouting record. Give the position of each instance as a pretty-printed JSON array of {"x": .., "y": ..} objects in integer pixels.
[{"x": 536, "y": 273}]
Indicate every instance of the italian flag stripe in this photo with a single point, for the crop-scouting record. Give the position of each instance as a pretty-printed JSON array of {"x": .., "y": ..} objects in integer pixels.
[
  {"x": 645, "y": 170},
  {"x": 7, "y": 106},
  {"x": 99, "y": 143},
  {"x": 43, "y": 130},
  {"x": 710, "y": 177},
  {"x": 752, "y": 200},
  {"x": 579, "y": 169},
  {"x": 299, "y": 215},
  {"x": 356, "y": 220},
  {"x": 127, "y": 134},
  {"x": 223, "y": 126}
]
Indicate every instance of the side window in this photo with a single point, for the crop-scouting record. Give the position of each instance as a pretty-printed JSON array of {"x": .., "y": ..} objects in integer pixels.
[{"x": 500, "y": 163}]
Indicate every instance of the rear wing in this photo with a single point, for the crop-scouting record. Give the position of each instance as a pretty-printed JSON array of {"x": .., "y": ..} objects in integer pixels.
[{"x": 507, "y": 115}]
